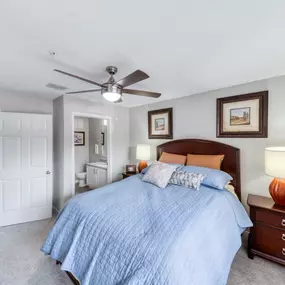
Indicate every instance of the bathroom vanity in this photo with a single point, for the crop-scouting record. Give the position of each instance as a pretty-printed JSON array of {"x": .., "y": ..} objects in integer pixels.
[{"x": 96, "y": 174}]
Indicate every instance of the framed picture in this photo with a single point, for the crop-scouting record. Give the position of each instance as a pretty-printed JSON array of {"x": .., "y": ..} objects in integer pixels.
[
  {"x": 79, "y": 138},
  {"x": 160, "y": 124},
  {"x": 102, "y": 138},
  {"x": 243, "y": 116},
  {"x": 131, "y": 168}
]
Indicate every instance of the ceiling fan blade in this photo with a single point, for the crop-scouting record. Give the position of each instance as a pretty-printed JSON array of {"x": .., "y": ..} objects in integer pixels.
[
  {"x": 78, "y": 77},
  {"x": 133, "y": 78},
  {"x": 142, "y": 93},
  {"x": 84, "y": 91}
]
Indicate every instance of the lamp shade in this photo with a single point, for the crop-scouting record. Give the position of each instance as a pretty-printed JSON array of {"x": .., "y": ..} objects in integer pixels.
[
  {"x": 143, "y": 152},
  {"x": 275, "y": 161}
]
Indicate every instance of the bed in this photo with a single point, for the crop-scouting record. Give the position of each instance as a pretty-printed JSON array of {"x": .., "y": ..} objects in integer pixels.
[{"x": 132, "y": 232}]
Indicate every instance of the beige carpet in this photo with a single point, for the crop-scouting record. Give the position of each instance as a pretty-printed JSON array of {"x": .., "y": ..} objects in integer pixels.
[{"x": 21, "y": 262}]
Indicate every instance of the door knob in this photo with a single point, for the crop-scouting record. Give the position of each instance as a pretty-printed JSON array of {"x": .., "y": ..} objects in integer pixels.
[{"x": 48, "y": 172}]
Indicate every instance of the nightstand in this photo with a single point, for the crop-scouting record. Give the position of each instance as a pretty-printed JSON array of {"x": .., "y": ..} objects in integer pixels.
[
  {"x": 267, "y": 236},
  {"x": 126, "y": 175}
]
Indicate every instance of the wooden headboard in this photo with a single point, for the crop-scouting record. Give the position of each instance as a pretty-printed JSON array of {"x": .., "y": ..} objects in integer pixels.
[{"x": 230, "y": 164}]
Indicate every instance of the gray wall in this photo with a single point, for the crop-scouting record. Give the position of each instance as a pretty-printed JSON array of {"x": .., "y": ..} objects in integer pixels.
[
  {"x": 58, "y": 149},
  {"x": 96, "y": 126},
  {"x": 20, "y": 103},
  {"x": 195, "y": 116},
  {"x": 119, "y": 138},
  {"x": 81, "y": 153}
]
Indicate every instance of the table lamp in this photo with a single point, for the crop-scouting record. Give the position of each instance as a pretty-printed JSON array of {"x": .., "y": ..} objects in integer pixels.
[
  {"x": 275, "y": 166},
  {"x": 143, "y": 153}
]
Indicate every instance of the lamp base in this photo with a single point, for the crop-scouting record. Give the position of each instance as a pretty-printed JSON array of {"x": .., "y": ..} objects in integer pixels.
[
  {"x": 142, "y": 165},
  {"x": 277, "y": 191}
]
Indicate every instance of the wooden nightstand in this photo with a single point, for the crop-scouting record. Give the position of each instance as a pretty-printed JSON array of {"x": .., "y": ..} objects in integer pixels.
[
  {"x": 126, "y": 175},
  {"x": 267, "y": 236}
]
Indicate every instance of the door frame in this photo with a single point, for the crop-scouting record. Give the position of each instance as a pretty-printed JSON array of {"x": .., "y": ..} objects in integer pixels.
[{"x": 109, "y": 145}]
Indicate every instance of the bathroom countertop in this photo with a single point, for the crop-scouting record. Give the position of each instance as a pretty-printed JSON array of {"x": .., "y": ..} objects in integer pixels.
[{"x": 97, "y": 164}]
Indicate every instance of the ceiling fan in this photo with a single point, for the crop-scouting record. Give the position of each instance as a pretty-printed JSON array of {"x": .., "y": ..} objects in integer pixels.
[{"x": 113, "y": 90}]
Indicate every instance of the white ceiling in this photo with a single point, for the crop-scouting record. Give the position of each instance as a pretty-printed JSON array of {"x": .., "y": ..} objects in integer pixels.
[{"x": 186, "y": 46}]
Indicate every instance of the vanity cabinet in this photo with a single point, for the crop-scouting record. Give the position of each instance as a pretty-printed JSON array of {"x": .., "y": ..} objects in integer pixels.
[{"x": 96, "y": 176}]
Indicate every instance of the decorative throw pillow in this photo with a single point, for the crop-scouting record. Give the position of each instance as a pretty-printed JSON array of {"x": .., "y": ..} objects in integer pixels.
[
  {"x": 172, "y": 158},
  {"x": 217, "y": 179},
  {"x": 210, "y": 161},
  {"x": 187, "y": 179},
  {"x": 159, "y": 174},
  {"x": 177, "y": 166}
]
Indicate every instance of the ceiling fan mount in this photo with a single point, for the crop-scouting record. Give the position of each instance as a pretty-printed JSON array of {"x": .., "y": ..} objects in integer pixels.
[
  {"x": 113, "y": 90},
  {"x": 112, "y": 70}
]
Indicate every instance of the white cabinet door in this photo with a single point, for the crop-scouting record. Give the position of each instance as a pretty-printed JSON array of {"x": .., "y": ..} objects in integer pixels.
[
  {"x": 96, "y": 177},
  {"x": 91, "y": 177},
  {"x": 25, "y": 167},
  {"x": 102, "y": 177}
]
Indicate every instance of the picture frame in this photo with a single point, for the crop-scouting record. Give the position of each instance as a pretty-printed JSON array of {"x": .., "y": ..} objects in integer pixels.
[
  {"x": 79, "y": 138},
  {"x": 160, "y": 124},
  {"x": 131, "y": 168},
  {"x": 243, "y": 116},
  {"x": 102, "y": 138}
]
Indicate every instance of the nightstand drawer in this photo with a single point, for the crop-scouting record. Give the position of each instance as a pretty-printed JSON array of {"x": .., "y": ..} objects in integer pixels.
[
  {"x": 269, "y": 240},
  {"x": 270, "y": 218}
]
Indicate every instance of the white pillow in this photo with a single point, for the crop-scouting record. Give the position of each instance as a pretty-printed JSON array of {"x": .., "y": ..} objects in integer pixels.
[
  {"x": 231, "y": 189},
  {"x": 159, "y": 174}
]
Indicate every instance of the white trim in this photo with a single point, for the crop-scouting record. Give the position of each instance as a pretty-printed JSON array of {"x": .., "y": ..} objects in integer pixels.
[{"x": 109, "y": 145}]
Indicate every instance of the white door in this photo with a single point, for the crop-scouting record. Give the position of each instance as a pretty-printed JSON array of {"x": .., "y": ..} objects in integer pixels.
[{"x": 25, "y": 167}]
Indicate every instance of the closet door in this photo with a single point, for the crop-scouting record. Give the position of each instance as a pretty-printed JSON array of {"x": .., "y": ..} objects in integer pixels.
[{"x": 25, "y": 167}]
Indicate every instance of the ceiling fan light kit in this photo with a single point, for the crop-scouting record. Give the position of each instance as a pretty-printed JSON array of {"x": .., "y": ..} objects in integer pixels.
[
  {"x": 112, "y": 90},
  {"x": 111, "y": 96}
]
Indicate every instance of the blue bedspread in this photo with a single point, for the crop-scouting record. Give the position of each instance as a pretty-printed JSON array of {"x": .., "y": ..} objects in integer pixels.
[{"x": 132, "y": 232}]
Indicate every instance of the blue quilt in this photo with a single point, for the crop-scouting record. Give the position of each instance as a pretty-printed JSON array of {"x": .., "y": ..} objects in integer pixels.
[{"x": 132, "y": 232}]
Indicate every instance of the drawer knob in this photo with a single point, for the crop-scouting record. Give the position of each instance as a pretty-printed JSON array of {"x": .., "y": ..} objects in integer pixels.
[
  {"x": 283, "y": 251},
  {"x": 283, "y": 236},
  {"x": 283, "y": 223}
]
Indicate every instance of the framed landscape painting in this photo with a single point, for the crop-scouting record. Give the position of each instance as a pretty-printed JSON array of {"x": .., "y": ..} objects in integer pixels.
[
  {"x": 79, "y": 138},
  {"x": 160, "y": 124},
  {"x": 243, "y": 116}
]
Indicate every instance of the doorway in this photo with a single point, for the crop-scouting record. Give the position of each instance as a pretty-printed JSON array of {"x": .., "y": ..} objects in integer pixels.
[{"x": 91, "y": 152}]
